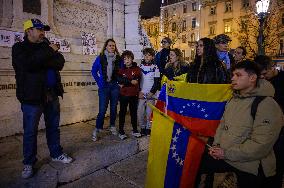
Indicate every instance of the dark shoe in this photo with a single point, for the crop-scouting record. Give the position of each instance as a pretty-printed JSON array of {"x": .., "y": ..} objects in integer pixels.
[
  {"x": 148, "y": 132},
  {"x": 143, "y": 132}
]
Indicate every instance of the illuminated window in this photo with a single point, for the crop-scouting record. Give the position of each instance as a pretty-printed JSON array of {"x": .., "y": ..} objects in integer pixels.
[{"x": 227, "y": 27}]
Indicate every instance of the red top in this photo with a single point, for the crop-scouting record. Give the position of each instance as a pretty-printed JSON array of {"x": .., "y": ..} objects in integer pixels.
[{"x": 125, "y": 76}]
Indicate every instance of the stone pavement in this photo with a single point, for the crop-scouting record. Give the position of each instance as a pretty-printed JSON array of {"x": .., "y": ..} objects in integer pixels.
[{"x": 109, "y": 162}]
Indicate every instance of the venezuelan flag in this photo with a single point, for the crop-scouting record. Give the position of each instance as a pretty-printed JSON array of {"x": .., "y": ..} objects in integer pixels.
[
  {"x": 199, "y": 107},
  {"x": 174, "y": 153}
]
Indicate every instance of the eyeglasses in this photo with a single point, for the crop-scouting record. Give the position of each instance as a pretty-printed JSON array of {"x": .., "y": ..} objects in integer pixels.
[{"x": 163, "y": 42}]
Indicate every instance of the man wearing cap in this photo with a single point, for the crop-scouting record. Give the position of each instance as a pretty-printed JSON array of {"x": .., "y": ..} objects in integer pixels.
[
  {"x": 162, "y": 56},
  {"x": 222, "y": 46},
  {"x": 37, "y": 64}
]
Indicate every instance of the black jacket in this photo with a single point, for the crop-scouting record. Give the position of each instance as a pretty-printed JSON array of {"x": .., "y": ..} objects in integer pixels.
[
  {"x": 210, "y": 73},
  {"x": 31, "y": 62}
]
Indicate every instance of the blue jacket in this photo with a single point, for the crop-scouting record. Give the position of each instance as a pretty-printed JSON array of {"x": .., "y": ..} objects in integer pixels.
[{"x": 99, "y": 70}]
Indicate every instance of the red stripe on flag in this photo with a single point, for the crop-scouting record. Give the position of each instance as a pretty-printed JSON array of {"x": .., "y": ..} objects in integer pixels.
[
  {"x": 161, "y": 105},
  {"x": 195, "y": 149},
  {"x": 197, "y": 126}
]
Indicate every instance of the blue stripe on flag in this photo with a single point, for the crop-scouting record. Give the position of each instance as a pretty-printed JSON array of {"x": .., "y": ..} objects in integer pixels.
[
  {"x": 196, "y": 109},
  {"x": 176, "y": 156}
]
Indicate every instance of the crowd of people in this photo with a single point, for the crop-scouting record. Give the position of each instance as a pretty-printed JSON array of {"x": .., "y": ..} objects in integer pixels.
[{"x": 249, "y": 144}]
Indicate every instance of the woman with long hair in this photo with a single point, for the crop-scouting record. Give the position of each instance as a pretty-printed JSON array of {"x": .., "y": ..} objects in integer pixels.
[
  {"x": 176, "y": 65},
  {"x": 104, "y": 71},
  {"x": 207, "y": 68}
]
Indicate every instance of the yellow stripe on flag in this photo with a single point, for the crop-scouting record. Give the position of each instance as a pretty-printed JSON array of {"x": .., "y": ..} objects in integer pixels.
[
  {"x": 199, "y": 92},
  {"x": 160, "y": 140}
]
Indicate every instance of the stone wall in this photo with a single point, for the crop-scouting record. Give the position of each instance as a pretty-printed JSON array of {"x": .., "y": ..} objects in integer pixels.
[{"x": 67, "y": 19}]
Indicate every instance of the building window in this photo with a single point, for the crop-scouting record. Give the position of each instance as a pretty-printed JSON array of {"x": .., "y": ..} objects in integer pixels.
[
  {"x": 166, "y": 13},
  {"x": 212, "y": 29},
  {"x": 245, "y": 3},
  {"x": 183, "y": 38},
  {"x": 174, "y": 27},
  {"x": 213, "y": 10},
  {"x": 184, "y": 25},
  {"x": 244, "y": 25},
  {"x": 227, "y": 27},
  {"x": 174, "y": 10},
  {"x": 228, "y": 6},
  {"x": 183, "y": 52},
  {"x": 166, "y": 26},
  {"x": 282, "y": 18},
  {"x": 192, "y": 37},
  {"x": 194, "y": 6},
  {"x": 185, "y": 8},
  {"x": 32, "y": 6},
  {"x": 149, "y": 30},
  {"x": 193, "y": 23}
]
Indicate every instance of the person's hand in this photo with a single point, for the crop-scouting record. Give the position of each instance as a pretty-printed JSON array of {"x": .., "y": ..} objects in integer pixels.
[
  {"x": 54, "y": 47},
  {"x": 149, "y": 95},
  {"x": 216, "y": 152},
  {"x": 141, "y": 95},
  {"x": 134, "y": 82},
  {"x": 120, "y": 85}
]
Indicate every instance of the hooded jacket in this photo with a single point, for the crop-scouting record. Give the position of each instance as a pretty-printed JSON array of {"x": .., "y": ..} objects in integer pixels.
[{"x": 248, "y": 143}]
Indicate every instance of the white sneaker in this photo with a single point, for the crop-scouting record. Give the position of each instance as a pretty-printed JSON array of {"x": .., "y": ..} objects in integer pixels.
[
  {"x": 64, "y": 158},
  {"x": 113, "y": 130},
  {"x": 136, "y": 134},
  {"x": 94, "y": 135},
  {"x": 27, "y": 172},
  {"x": 122, "y": 136}
]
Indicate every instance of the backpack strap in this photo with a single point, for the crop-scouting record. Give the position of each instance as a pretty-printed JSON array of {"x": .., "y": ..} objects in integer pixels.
[{"x": 255, "y": 104}]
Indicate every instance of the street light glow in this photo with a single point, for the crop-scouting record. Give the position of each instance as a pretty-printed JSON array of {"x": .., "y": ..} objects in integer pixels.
[{"x": 262, "y": 6}]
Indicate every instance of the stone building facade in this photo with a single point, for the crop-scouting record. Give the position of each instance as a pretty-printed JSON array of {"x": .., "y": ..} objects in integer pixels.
[{"x": 72, "y": 22}]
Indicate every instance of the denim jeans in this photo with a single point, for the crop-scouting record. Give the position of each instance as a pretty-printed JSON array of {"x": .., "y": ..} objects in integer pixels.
[
  {"x": 31, "y": 117},
  {"x": 109, "y": 93}
]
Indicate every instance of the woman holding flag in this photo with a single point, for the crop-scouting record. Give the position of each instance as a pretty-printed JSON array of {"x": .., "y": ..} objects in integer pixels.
[{"x": 207, "y": 68}]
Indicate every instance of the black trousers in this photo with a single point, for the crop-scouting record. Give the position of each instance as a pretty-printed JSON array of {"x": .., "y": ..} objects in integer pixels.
[
  {"x": 210, "y": 166},
  {"x": 133, "y": 103}
]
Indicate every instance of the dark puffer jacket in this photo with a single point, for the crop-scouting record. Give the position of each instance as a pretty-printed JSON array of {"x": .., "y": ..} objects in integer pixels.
[{"x": 31, "y": 62}]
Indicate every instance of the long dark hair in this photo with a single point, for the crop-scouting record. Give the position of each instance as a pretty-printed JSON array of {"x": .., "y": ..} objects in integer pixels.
[
  {"x": 209, "y": 52},
  {"x": 105, "y": 45}
]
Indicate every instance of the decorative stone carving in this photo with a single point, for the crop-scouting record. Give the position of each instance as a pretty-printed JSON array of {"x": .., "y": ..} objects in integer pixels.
[{"x": 81, "y": 15}]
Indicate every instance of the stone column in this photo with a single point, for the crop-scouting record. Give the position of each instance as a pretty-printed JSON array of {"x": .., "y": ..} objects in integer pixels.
[{"x": 132, "y": 36}]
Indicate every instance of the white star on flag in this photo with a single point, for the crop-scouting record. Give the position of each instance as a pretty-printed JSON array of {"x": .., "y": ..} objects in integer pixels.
[
  {"x": 178, "y": 131},
  {"x": 177, "y": 160},
  {"x": 175, "y": 139},
  {"x": 173, "y": 147},
  {"x": 181, "y": 162},
  {"x": 175, "y": 154}
]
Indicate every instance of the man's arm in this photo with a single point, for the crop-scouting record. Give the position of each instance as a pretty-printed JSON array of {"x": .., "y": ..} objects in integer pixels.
[
  {"x": 42, "y": 57},
  {"x": 266, "y": 128}
]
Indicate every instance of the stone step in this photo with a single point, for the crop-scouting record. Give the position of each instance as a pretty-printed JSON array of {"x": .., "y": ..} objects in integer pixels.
[{"x": 76, "y": 140}]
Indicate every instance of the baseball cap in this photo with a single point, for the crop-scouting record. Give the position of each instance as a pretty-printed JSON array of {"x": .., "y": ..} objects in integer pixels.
[
  {"x": 35, "y": 23},
  {"x": 222, "y": 38}
]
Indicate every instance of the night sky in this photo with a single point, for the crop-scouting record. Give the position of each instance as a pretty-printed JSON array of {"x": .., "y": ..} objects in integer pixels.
[{"x": 150, "y": 8}]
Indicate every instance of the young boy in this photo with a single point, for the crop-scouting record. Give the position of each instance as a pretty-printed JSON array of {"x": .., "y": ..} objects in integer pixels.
[
  {"x": 128, "y": 78},
  {"x": 148, "y": 87}
]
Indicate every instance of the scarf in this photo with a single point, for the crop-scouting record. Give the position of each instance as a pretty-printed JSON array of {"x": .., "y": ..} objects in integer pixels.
[{"x": 110, "y": 59}]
